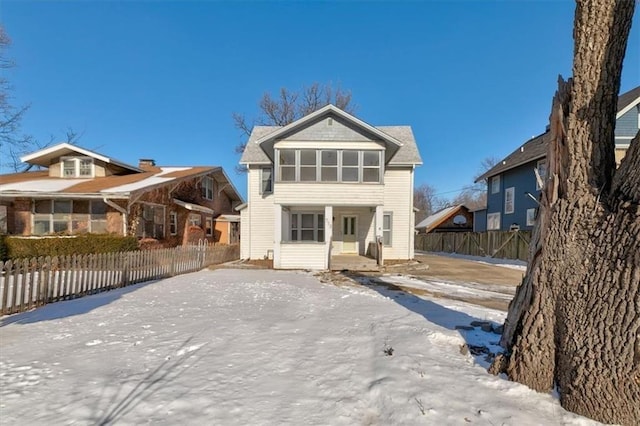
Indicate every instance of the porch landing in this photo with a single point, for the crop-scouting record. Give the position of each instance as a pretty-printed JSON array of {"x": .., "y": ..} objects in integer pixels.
[{"x": 353, "y": 262}]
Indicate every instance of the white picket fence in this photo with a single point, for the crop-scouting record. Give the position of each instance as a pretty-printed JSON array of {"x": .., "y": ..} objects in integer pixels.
[{"x": 29, "y": 283}]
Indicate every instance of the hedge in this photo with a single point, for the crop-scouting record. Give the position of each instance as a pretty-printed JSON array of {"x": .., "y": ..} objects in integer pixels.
[{"x": 27, "y": 247}]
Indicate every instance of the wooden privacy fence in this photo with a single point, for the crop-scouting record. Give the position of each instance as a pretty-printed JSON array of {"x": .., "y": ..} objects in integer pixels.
[
  {"x": 501, "y": 244},
  {"x": 28, "y": 283}
]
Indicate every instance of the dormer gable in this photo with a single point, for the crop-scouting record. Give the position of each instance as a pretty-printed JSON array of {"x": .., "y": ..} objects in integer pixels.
[
  {"x": 331, "y": 125},
  {"x": 65, "y": 160}
]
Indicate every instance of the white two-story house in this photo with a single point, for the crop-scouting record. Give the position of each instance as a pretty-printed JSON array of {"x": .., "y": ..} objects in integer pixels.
[{"x": 328, "y": 184}]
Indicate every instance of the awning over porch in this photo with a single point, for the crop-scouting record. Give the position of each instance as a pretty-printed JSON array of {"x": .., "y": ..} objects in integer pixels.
[{"x": 193, "y": 207}]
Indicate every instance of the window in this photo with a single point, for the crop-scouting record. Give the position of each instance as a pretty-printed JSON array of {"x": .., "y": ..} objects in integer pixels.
[
  {"x": 208, "y": 226},
  {"x": 266, "y": 180},
  {"x": 531, "y": 216},
  {"x": 307, "y": 227},
  {"x": 173, "y": 223},
  {"x": 3, "y": 219},
  {"x": 73, "y": 167},
  {"x": 387, "y": 220},
  {"x": 85, "y": 167},
  {"x": 69, "y": 216},
  {"x": 493, "y": 221},
  {"x": 308, "y": 165},
  {"x": 350, "y": 166},
  {"x": 207, "y": 188},
  {"x": 287, "y": 163},
  {"x": 542, "y": 173},
  {"x": 329, "y": 166},
  {"x": 151, "y": 223},
  {"x": 509, "y": 202},
  {"x": 98, "y": 217},
  {"x": 371, "y": 166},
  {"x": 195, "y": 219},
  {"x": 495, "y": 184}
]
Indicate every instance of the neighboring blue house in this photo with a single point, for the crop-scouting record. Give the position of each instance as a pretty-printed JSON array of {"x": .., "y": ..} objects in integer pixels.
[{"x": 512, "y": 187}]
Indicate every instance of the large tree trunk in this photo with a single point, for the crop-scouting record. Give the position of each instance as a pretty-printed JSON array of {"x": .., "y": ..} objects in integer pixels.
[{"x": 575, "y": 320}]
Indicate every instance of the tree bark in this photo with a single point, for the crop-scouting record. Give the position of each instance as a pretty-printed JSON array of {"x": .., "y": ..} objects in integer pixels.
[{"x": 575, "y": 320}]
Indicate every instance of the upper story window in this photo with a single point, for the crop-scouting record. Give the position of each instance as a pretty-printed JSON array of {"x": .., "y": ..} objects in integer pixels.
[
  {"x": 509, "y": 200},
  {"x": 77, "y": 167},
  {"x": 310, "y": 165},
  {"x": 495, "y": 184},
  {"x": 266, "y": 180},
  {"x": 541, "y": 168},
  {"x": 207, "y": 188}
]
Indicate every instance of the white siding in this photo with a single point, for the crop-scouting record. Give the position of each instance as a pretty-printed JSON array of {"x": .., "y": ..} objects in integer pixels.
[
  {"x": 303, "y": 256},
  {"x": 398, "y": 192},
  {"x": 320, "y": 194},
  {"x": 261, "y": 217},
  {"x": 245, "y": 234}
]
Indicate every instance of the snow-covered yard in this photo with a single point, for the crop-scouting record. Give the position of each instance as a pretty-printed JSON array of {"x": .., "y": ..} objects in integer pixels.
[{"x": 257, "y": 347}]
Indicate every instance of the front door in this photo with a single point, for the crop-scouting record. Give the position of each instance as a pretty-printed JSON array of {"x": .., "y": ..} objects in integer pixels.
[{"x": 349, "y": 234}]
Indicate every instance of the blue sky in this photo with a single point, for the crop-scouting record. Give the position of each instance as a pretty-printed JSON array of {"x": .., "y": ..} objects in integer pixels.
[{"x": 161, "y": 79}]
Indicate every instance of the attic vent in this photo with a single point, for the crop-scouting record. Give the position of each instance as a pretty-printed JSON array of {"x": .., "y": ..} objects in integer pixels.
[
  {"x": 146, "y": 162},
  {"x": 330, "y": 121},
  {"x": 522, "y": 149}
]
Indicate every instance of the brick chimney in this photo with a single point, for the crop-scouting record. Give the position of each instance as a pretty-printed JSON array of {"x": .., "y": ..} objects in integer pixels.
[{"x": 146, "y": 162}]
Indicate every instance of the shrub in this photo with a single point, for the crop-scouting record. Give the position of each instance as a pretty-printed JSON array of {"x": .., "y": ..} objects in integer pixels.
[
  {"x": 26, "y": 247},
  {"x": 4, "y": 255}
]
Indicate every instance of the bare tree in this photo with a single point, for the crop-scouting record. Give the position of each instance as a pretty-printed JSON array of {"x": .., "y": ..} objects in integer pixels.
[
  {"x": 12, "y": 142},
  {"x": 426, "y": 200},
  {"x": 289, "y": 105},
  {"x": 475, "y": 196},
  {"x": 574, "y": 323}
]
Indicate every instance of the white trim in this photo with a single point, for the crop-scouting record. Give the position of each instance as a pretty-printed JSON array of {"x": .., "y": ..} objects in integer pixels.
[
  {"x": 193, "y": 207},
  {"x": 511, "y": 190},
  {"x": 531, "y": 220},
  {"x": 628, "y": 108},
  {"x": 493, "y": 217},
  {"x": 496, "y": 179}
]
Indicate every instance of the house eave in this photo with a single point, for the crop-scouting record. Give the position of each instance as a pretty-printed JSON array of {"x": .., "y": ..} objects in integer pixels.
[{"x": 63, "y": 195}]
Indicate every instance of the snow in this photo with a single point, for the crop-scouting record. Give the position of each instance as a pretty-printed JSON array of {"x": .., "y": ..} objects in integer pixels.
[
  {"x": 153, "y": 180},
  {"x": 42, "y": 185},
  {"x": 258, "y": 347}
]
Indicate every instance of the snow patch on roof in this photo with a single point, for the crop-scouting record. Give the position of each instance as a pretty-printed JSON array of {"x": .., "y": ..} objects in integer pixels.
[
  {"x": 435, "y": 218},
  {"x": 153, "y": 180},
  {"x": 167, "y": 170},
  {"x": 42, "y": 185}
]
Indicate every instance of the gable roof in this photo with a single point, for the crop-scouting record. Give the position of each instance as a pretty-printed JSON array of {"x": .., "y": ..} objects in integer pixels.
[
  {"x": 440, "y": 217},
  {"x": 44, "y": 156},
  {"x": 399, "y": 138},
  {"x": 628, "y": 100},
  {"x": 536, "y": 148},
  {"x": 533, "y": 150}
]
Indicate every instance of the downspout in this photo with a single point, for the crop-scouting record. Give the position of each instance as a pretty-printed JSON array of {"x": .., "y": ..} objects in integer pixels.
[{"x": 121, "y": 210}]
